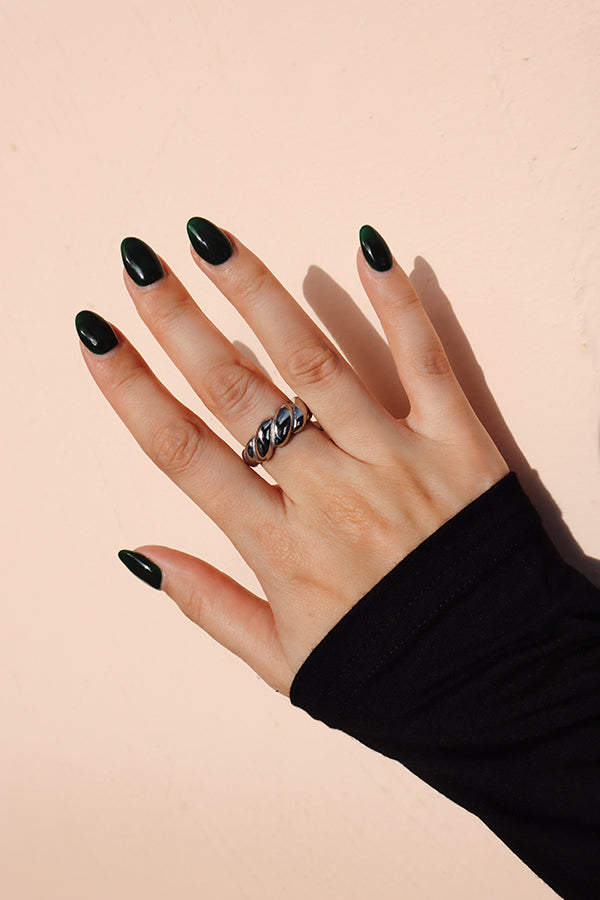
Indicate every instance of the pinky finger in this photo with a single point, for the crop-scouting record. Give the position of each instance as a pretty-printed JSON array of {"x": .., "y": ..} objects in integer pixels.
[
  {"x": 235, "y": 617},
  {"x": 435, "y": 395}
]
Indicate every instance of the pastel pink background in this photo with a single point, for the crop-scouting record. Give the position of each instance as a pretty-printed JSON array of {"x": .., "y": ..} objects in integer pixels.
[{"x": 139, "y": 758}]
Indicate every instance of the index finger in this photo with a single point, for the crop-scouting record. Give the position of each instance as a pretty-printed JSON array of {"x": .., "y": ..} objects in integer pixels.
[{"x": 177, "y": 440}]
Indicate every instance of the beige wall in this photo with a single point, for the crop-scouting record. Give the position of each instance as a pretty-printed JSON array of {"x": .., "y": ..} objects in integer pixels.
[{"x": 140, "y": 759}]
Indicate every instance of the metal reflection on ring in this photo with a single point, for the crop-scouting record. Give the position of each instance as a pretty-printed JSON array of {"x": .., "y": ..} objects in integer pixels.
[{"x": 277, "y": 431}]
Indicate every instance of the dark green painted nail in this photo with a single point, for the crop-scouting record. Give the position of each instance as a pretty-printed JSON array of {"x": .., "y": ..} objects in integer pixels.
[
  {"x": 208, "y": 241},
  {"x": 95, "y": 332},
  {"x": 141, "y": 262},
  {"x": 141, "y": 566},
  {"x": 375, "y": 250}
]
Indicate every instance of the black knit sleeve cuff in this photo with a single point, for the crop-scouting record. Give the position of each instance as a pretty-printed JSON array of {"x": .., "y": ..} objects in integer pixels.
[
  {"x": 475, "y": 663},
  {"x": 454, "y": 561}
]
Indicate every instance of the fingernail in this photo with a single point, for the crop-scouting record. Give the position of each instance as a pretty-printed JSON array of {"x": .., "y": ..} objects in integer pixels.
[
  {"x": 95, "y": 332},
  {"x": 141, "y": 566},
  {"x": 375, "y": 250},
  {"x": 208, "y": 241},
  {"x": 141, "y": 262}
]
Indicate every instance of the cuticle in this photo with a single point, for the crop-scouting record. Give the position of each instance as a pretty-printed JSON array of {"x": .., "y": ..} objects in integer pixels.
[{"x": 144, "y": 288}]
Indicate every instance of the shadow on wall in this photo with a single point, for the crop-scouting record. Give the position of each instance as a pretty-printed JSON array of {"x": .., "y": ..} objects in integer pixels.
[{"x": 370, "y": 356}]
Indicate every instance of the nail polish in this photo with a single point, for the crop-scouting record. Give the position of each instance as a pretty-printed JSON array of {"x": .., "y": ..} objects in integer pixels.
[
  {"x": 141, "y": 566},
  {"x": 375, "y": 250},
  {"x": 140, "y": 261},
  {"x": 95, "y": 332},
  {"x": 208, "y": 241}
]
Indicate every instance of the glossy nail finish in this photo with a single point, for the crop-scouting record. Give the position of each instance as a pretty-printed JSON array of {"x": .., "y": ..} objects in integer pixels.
[
  {"x": 375, "y": 250},
  {"x": 208, "y": 241},
  {"x": 140, "y": 261},
  {"x": 95, "y": 332},
  {"x": 143, "y": 567}
]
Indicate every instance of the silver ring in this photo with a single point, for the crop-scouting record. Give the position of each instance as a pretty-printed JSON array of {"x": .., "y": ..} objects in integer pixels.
[{"x": 277, "y": 431}]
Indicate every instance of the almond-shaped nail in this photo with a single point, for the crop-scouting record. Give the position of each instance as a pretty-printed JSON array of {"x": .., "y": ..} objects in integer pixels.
[
  {"x": 143, "y": 567},
  {"x": 95, "y": 332},
  {"x": 375, "y": 250},
  {"x": 208, "y": 241},
  {"x": 140, "y": 261}
]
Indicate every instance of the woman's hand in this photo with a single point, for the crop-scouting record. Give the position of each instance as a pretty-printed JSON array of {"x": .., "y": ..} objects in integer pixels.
[{"x": 351, "y": 500}]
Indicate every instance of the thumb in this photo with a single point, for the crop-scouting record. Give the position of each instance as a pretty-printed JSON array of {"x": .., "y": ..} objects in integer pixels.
[{"x": 235, "y": 617}]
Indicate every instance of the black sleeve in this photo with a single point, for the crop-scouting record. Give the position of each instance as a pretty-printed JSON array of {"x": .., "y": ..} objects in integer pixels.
[{"x": 475, "y": 663}]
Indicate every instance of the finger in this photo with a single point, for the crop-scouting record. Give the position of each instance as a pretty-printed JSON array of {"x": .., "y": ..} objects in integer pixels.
[
  {"x": 308, "y": 361},
  {"x": 229, "y": 384},
  {"x": 232, "y": 615},
  {"x": 174, "y": 437},
  {"x": 433, "y": 391}
]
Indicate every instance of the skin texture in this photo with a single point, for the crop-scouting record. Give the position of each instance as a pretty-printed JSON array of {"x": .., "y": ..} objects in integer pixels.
[{"x": 350, "y": 501}]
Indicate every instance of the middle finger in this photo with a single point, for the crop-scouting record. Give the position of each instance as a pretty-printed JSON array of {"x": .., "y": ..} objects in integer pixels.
[{"x": 308, "y": 361}]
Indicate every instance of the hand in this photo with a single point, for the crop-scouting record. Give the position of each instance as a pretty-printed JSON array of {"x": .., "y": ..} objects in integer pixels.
[{"x": 350, "y": 501}]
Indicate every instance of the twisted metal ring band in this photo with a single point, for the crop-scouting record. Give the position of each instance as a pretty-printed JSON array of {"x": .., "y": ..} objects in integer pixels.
[{"x": 289, "y": 419}]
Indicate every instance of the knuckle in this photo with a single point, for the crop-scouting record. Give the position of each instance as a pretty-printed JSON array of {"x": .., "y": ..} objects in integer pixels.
[
  {"x": 351, "y": 505},
  {"x": 170, "y": 316},
  {"x": 230, "y": 387},
  {"x": 250, "y": 282},
  {"x": 313, "y": 362},
  {"x": 348, "y": 514},
  {"x": 400, "y": 305},
  {"x": 432, "y": 361},
  {"x": 125, "y": 379},
  {"x": 357, "y": 520},
  {"x": 177, "y": 446}
]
